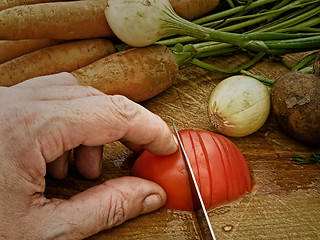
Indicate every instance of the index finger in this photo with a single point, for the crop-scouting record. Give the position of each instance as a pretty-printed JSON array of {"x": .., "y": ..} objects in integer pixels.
[
  {"x": 57, "y": 79},
  {"x": 98, "y": 120}
]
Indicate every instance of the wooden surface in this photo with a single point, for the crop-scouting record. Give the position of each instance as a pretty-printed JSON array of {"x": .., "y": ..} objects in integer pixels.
[{"x": 285, "y": 200}]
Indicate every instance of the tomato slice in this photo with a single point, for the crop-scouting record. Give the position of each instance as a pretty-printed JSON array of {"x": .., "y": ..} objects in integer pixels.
[
  {"x": 219, "y": 186},
  {"x": 198, "y": 162},
  {"x": 219, "y": 168}
]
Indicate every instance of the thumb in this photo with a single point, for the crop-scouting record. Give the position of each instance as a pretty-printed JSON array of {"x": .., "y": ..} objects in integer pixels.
[{"x": 101, "y": 207}]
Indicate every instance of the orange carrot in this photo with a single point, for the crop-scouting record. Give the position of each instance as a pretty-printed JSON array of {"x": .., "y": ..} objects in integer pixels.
[
  {"x": 63, "y": 57},
  {"x": 55, "y": 20},
  {"x": 4, "y": 4},
  {"x": 191, "y": 9},
  {"x": 16, "y": 48},
  {"x": 137, "y": 73}
]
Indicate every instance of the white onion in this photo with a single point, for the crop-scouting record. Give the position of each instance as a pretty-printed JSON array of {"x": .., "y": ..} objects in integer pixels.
[
  {"x": 239, "y": 105},
  {"x": 138, "y": 22}
]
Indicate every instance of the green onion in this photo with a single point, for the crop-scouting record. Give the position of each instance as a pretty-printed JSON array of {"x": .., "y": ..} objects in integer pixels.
[
  {"x": 313, "y": 158},
  {"x": 261, "y": 27},
  {"x": 304, "y": 62},
  {"x": 124, "y": 15},
  {"x": 286, "y": 27}
]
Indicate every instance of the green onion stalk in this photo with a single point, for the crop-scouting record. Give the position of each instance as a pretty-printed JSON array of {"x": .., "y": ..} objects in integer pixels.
[
  {"x": 254, "y": 27},
  {"x": 313, "y": 158},
  {"x": 287, "y": 27}
]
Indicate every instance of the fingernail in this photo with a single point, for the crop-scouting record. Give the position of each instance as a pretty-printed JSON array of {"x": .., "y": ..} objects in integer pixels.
[{"x": 151, "y": 203}]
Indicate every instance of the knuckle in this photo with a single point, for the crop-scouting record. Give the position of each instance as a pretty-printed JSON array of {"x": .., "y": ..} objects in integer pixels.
[
  {"x": 123, "y": 108},
  {"x": 116, "y": 212},
  {"x": 16, "y": 114},
  {"x": 16, "y": 120},
  {"x": 68, "y": 76},
  {"x": 91, "y": 91}
]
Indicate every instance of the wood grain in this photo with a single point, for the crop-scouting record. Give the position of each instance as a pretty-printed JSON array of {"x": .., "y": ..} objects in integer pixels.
[{"x": 285, "y": 200}]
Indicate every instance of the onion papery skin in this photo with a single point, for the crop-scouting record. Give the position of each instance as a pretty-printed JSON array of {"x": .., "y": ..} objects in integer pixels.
[{"x": 239, "y": 106}]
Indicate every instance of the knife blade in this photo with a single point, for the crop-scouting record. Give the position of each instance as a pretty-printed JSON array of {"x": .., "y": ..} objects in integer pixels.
[{"x": 201, "y": 214}]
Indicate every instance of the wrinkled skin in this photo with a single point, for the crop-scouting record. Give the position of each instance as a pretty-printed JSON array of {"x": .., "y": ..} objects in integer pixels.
[{"x": 41, "y": 120}]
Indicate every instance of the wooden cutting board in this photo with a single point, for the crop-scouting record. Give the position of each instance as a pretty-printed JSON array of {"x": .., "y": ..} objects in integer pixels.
[{"x": 285, "y": 200}]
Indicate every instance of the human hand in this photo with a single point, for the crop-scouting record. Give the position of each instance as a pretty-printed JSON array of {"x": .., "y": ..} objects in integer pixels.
[{"x": 41, "y": 120}]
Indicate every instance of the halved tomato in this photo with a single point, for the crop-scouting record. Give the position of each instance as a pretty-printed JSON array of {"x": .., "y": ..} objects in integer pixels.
[{"x": 219, "y": 168}]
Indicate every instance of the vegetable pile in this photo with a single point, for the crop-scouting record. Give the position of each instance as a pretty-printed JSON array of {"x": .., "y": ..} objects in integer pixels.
[
  {"x": 261, "y": 27},
  {"x": 136, "y": 48},
  {"x": 157, "y": 19}
]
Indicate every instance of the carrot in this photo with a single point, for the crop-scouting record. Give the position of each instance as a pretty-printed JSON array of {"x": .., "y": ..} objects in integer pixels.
[
  {"x": 63, "y": 57},
  {"x": 4, "y": 4},
  {"x": 191, "y": 9},
  {"x": 137, "y": 73},
  {"x": 16, "y": 48},
  {"x": 55, "y": 20}
]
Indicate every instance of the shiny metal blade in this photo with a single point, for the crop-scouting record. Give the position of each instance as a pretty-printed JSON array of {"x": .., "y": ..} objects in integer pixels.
[{"x": 201, "y": 213}]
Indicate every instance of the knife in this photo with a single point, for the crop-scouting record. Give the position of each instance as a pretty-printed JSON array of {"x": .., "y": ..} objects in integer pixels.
[{"x": 201, "y": 214}]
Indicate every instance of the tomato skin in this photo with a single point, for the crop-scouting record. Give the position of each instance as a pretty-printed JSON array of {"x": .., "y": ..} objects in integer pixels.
[
  {"x": 219, "y": 168},
  {"x": 170, "y": 173}
]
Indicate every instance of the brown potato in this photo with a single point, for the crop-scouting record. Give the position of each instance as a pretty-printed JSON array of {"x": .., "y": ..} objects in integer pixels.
[{"x": 296, "y": 104}]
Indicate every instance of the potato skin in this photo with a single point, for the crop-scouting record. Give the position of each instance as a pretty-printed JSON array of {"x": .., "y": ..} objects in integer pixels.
[{"x": 295, "y": 100}]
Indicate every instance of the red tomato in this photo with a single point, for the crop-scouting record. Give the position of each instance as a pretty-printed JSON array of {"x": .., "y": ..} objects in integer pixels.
[{"x": 219, "y": 167}]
